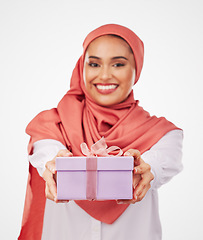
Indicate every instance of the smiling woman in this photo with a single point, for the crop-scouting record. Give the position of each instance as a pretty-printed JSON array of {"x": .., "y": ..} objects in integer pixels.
[
  {"x": 100, "y": 103},
  {"x": 109, "y": 70}
]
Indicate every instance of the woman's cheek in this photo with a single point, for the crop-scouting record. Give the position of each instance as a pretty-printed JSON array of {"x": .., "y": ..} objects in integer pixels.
[{"x": 90, "y": 75}]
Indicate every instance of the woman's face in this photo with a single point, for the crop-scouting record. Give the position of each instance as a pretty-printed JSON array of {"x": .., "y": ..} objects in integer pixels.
[{"x": 109, "y": 70}]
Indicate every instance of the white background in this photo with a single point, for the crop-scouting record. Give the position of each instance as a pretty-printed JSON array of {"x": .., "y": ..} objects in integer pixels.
[{"x": 40, "y": 42}]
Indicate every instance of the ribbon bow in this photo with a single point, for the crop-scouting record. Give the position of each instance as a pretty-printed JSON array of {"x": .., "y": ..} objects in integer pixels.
[{"x": 100, "y": 148}]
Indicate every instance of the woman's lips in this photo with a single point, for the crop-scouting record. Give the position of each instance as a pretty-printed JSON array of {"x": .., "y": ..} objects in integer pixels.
[{"x": 106, "y": 88}]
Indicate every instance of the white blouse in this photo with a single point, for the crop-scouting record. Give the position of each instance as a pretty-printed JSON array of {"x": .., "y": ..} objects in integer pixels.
[{"x": 140, "y": 221}]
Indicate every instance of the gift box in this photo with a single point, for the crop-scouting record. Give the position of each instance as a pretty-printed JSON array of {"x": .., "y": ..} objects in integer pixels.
[{"x": 99, "y": 178}]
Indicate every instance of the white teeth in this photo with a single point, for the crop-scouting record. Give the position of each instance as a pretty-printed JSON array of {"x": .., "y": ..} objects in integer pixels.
[{"x": 106, "y": 87}]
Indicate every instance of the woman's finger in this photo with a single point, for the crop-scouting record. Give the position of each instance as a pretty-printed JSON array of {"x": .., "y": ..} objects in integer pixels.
[
  {"x": 142, "y": 193},
  {"x": 134, "y": 153},
  {"x": 142, "y": 168},
  {"x": 51, "y": 165},
  {"x": 124, "y": 201},
  {"x": 52, "y": 188},
  {"x": 144, "y": 171},
  {"x": 136, "y": 180},
  {"x": 50, "y": 184},
  {"x": 48, "y": 194},
  {"x": 144, "y": 184},
  {"x": 64, "y": 153}
]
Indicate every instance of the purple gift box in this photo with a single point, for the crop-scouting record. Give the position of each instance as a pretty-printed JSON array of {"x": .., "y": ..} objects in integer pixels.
[{"x": 100, "y": 178}]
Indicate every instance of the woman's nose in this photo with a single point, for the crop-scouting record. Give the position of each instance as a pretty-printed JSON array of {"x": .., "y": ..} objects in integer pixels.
[{"x": 105, "y": 73}]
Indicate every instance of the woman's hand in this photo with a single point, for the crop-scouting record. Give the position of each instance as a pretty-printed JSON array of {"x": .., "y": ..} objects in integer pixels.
[
  {"x": 49, "y": 176},
  {"x": 142, "y": 176}
]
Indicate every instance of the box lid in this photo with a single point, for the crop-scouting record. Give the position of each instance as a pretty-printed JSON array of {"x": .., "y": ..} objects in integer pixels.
[{"x": 103, "y": 163}]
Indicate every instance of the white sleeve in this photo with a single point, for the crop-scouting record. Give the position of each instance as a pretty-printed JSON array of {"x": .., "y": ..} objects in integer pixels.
[
  {"x": 165, "y": 157},
  {"x": 44, "y": 151}
]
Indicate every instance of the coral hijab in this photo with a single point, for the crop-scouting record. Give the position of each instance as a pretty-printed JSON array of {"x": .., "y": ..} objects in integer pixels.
[{"x": 79, "y": 119}]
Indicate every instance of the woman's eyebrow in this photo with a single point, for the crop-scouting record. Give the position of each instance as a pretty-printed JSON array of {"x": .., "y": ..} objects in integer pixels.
[
  {"x": 95, "y": 57},
  {"x": 116, "y": 57}
]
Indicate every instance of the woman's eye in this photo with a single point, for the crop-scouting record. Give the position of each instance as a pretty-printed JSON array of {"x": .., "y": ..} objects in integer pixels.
[
  {"x": 119, "y": 65},
  {"x": 93, "y": 64}
]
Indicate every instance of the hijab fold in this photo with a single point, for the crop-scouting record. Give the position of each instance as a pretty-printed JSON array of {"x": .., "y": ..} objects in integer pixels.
[{"x": 78, "y": 119}]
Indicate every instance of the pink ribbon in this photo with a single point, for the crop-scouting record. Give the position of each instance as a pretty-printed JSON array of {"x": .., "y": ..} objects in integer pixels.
[
  {"x": 98, "y": 149},
  {"x": 91, "y": 178}
]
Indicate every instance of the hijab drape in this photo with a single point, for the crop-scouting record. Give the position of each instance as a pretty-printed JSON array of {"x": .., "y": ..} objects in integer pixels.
[{"x": 79, "y": 119}]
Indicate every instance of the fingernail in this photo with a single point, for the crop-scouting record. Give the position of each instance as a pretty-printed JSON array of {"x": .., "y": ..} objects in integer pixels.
[
  {"x": 51, "y": 169},
  {"x": 135, "y": 197},
  {"x": 127, "y": 153},
  {"x": 135, "y": 170},
  {"x": 120, "y": 202},
  {"x": 68, "y": 154}
]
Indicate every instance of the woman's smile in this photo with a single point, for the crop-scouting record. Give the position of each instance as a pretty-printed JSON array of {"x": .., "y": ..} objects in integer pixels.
[{"x": 106, "y": 88}]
